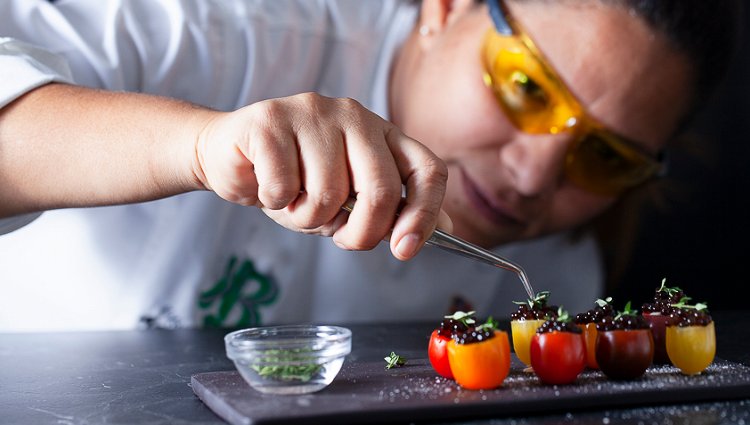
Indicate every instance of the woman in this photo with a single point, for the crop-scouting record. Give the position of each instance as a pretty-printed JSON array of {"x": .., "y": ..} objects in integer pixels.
[{"x": 510, "y": 124}]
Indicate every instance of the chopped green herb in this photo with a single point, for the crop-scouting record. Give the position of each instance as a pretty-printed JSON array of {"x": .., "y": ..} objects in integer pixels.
[
  {"x": 684, "y": 304},
  {"x": 297, "y": 371},
  {"x": 467, "y": 318},
  {"x": 669, "y": 291},
  {"x": 394, "y": 360},
  {"x": 604, "y": 302},
  {"x": 490, "y": 325},
  {"x": 562, "y": 315},
  {"x": 628, "y": 311},
  {"x": 539, "y": 301}
]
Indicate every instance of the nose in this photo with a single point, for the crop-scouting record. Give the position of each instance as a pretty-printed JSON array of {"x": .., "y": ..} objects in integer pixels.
[{"x": 535, "y": 163}]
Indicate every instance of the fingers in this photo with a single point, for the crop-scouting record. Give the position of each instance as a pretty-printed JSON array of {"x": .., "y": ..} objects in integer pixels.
[
  {"x": 323, "y": 167},
  {"x": 274, "y": 158},
  {"x": 374, "y": 179},
  {"x": 425, "y": 178},
  {"x": 301, "y": 157}
]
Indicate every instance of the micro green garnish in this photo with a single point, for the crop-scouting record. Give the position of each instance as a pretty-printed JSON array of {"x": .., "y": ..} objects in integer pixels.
[
  {"x": 467, "y": 318},
  {"x": 683, "y": 303},
  {"x": 628, "y": 311},
  {"x": 490, "y": 325},
  {"x": 603, "y": 302},
  {"x": 562, "y": 315},
  {"x": 291, "y": 372},
  {"x": 669, "y": 291},
  {"x": 394, "y": 360},
  {"x": 540, "y": 300}
]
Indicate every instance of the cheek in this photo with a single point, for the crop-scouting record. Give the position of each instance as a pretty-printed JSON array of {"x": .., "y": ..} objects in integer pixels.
[
  {"x": 572, "y": 207},
  {"x": 451, "y": 110}
]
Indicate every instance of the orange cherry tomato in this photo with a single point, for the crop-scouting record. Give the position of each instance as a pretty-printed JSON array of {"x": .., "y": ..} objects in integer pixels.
[
  {"x": 691, "y": 348},
  {"x": 589, "y": 338},
  {"x": 558, "y": 357},
  {"x": 437, "y": 351},
  {"x": 522, "y": 332},
  {"x": 481, "y": 365}
]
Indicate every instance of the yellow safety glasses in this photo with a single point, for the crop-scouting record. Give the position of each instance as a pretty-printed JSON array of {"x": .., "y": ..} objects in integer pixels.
[{"x": 537, "y": 101}]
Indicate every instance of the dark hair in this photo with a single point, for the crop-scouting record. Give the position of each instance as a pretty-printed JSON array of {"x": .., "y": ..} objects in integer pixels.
[{"x": 707, "y": 32}]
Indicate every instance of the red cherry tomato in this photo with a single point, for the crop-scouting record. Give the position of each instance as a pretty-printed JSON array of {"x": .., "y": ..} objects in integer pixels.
[
  {"x": 558, "y": 357},
  {"x": 624, "y": 354},
  {"x": 481, "y": 365},
  {"x": 438, "y": 353}
]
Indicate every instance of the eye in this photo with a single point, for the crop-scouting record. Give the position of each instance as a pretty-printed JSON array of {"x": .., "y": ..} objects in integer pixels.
[
  {"x": 525, "y": 94},
  {"x": 603, "y": 151},
  {"x": 604, "y": 157}
]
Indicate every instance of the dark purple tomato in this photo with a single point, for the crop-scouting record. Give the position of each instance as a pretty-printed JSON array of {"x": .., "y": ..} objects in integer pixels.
[
  {"x": 658, "y": 324},
  {"x": 624, "y": 354}
]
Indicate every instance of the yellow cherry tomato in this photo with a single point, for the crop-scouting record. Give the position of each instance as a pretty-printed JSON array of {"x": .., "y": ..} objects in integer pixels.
[
  {"x": 691, "y": 348},
  {"x": 480, "y": 365},
  {"x": 522, "y": 332}
]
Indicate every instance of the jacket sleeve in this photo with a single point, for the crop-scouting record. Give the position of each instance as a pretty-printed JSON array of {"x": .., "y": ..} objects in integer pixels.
[{"x": 25, "y": 67}]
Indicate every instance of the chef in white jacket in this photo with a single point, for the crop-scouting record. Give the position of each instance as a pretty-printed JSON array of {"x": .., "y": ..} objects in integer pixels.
[{"x": 182, "y": 163}]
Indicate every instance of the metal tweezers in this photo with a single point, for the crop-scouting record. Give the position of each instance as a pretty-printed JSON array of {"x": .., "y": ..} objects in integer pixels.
[{"x": 456, "y": 245}]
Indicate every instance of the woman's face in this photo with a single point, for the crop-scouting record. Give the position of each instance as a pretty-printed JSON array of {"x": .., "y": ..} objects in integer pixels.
[{"x": 505, "y": 185}]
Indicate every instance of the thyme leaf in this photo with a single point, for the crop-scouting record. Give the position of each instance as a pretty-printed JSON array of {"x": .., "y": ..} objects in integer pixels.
[
  {"x": 273, "y": 366},
  {"x": 394, "y": 360}
]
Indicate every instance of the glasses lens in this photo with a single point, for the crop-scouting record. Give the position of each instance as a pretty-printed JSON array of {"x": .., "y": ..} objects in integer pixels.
[
  {"x": 600, "y": 163},
  {"x": 532, "y": 98},
  {"x": 536, "y": 101}
]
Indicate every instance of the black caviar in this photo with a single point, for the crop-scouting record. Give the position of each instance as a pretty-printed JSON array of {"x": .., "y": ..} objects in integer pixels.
[
  {"x": 595, "y": 315},
  {"x": 684, "y": 317},
  {"x": 535, "y": 309},
  {"x": 450, "y": 327},
  {"x": 622, "y": 322},
  {"x": 554, "y": 325},
  {"x": 664, "y": 297},
  {"x": 473, "y": 335}
]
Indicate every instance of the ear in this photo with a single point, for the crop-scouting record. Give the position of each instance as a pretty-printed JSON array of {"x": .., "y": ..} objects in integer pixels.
[{"x": 436, "y": 15}]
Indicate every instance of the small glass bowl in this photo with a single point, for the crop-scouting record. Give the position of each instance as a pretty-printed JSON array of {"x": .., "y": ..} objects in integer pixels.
[{"x": 291, "y": 359}]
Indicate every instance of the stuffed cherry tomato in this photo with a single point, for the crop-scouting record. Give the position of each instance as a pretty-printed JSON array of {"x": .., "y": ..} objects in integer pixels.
[
  {"x": 438, "y": 354},
  {"x": 589, "y": 339},
  {"x": 480, "y": 359},
  {"x": 558, "y": 352},
  {"x": 437, "y": 349},
  {"x": 624, "y": 345},
  {"x": 523, "y": 331},
  {"x": 691, "y": 339},
  {"x": 658, "y": 324},
  {"x": 657, "y": 313},
  {"x": 526, "y": 320},
  {"x": 587, "y": 322}
]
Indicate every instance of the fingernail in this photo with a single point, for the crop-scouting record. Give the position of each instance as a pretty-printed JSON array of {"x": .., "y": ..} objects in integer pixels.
[{"x": 408, "y": 245}]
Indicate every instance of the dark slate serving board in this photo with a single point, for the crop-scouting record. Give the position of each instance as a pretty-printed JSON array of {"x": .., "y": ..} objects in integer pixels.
[{"x": 366, "y": 392}]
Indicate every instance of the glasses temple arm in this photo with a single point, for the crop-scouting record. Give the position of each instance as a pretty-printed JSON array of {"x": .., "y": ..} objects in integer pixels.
[{"x": 499, "y": 18}]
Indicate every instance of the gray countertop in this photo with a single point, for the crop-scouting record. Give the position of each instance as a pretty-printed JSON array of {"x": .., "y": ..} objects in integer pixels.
[{"x": 143, "y": 377}]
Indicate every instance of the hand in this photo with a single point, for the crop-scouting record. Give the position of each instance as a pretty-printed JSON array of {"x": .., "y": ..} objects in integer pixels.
[{"x": 300, "y": 158}]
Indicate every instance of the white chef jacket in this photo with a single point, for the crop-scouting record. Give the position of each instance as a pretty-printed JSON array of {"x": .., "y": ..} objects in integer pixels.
[{"x": 195, "y": 259}]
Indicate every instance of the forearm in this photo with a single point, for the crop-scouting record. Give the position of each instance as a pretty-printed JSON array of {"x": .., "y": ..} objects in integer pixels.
[{"x": 64, "y": 146}]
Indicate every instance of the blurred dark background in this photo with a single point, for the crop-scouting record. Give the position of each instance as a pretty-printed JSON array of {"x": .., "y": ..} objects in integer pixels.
[{"x": 698, "y": 242}]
